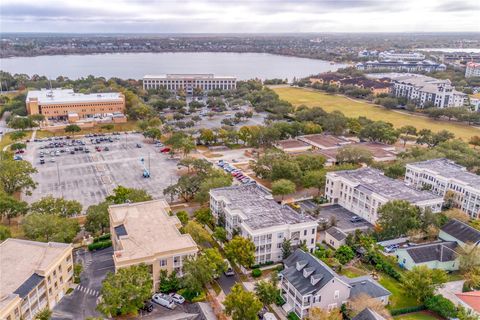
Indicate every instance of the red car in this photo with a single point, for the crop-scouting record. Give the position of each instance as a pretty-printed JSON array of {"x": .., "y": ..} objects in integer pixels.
[
  {"x": 19, "y": 151},
  {"x": 165, "y": 150},
  {"x": 98, "y": 149}
]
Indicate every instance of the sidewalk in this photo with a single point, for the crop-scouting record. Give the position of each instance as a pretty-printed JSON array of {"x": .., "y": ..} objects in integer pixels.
[{"x": 279, "y": 312}]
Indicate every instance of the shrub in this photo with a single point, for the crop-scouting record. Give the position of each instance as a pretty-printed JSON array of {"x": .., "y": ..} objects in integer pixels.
[
  {"x": 104, "y": 237},
  {"x": 279, "y": 301},
  {"x": 100, "y": 245},
  {"x": 396, "y": 312},
  {"x": 256, "y": 273},
  {"x": 192, "y": 296},
  {"x": 442, "y": 306},
  {"x": 292, "y": 316}
]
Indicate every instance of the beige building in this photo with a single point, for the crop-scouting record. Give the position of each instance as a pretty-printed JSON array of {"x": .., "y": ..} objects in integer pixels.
[
  {"x": 33, "y": 276},
  {"x": 144, "y": 232},
  {"x": 188, "y": 82},
  {"x": 65, "y": 104}
]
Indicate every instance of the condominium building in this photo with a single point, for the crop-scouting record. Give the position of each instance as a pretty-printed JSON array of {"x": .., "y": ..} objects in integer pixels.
[
  {"x": 33, "y": 276},
  {"x": 364, "y": 190},
  {"x": 398, "y": 65},
  {"x": 65, "y": 104},
  {"x": 145, "y": 233},
  {"x": 473, "y": 70},
  {"x": 442, "y": 175},
  {"x": 401, "y": 56},
  {"x": 251, "y": 211},
  {"x": 188, "y": 82},
  {"x": 422, "y": 90}
]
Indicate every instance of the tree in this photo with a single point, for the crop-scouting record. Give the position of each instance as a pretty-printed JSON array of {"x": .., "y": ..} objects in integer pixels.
[
  {"x": 442, "y": 306},
  {"x": 283, "y": 187},
  {"x": 362, "y": 301},
  {"x": 207, "y": 136},
  {"x": 204, "y": 216},
  {"x": 241, "y": 304},
  {"x": 469, "y": 256},
  {"x": 466, "y": 314},
  {"x": 169, "y": 282},
  {"x": 354, "y": 155},
  {"x": 17, "y": 146},
  {"x": 475, "y": 141},
  {"x": 406, "y": 133},
  {"x": 122, "y": 195},
  {"x": 241, "y": 250},
  {"x": 421, "y": 282},
  {"x": 107, "y": 126},
  {"x": 10, "y": 207},
  {"x": 72, "y": 128},
  {"x": 44, "y": 314},
  {"x": 18, "y": 135},
  {"x": 220, "y": 234},
  {"x": 431, "y": 139},
  {"x": 472, "y": 278},
  {"x": 202, "y": 270},
  {"x": 318, "y": 313},
  {"x": 153, "y": 133},
  {"x": 379, "y": 131},
  {"x": 216, "y": 179},
  {"x": 56, "y": 206},
  {"x": 21, "y": 123},
  {"x": 182, "y": 216},
  {"x": 198, "y": 233},
  {"x": 397, "y": 217},
  {"x": 286, "y": 248},
  {"x": 125, "y": 291},
  {"x": 15, "y": 176},
  {"x": 97, "y": 218},
  {"x": 314, "y": 179},
  {"x": 266, "y": 291},
  {"x": 344, "y": 254},
  {"x": 4, "y": 233},
  {"x": 458, "y": 214},
  {"x": 49, "y": 227}
]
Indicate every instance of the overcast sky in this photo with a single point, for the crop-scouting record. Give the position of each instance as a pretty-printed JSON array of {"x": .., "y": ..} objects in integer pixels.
[{"x": 239, "y": 16}]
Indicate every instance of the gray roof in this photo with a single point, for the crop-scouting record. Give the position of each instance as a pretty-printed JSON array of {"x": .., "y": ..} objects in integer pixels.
[
  {"x": 368, "y": 314},
  {"x": 371, "y": 180},
  {"x": 296, "y": 278},
  {"x": 461, "y": 231},
  {"x": 366, "y": 285},
  {"x": 336, "y": 233},
  {"x": 440, "y": 251},
  {"x": 258, "y": 206},
  {"x": 28, "y": 285}
]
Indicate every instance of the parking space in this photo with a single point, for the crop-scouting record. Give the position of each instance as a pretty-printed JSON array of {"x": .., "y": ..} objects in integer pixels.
[{"x": 90, "y": 177}]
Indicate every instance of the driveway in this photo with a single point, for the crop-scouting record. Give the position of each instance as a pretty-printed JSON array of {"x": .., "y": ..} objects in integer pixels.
[
  {"x": 82, "y": 302},
  {"x": 226, "y": 283},
  {"x": 450, "y": 288}
]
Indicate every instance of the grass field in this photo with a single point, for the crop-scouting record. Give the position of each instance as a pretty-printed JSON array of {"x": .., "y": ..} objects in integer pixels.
[
  {"x": 399, "y": 298},
  {"x": 416, "y": 316},
  {"x": 356, "y": 108}
]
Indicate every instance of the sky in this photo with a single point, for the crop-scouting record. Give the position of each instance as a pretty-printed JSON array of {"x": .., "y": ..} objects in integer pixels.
[{"x": 239, "y": 16}]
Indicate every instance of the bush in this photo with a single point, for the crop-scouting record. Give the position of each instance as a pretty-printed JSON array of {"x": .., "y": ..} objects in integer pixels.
[
  {"x": 293, "y": 316},
  {"x": 279, "y": 301},
  {"x": 442, "y": 306},
  {"x": 396, "y": 312},
  {"x": 100, "y": 245},
  {"x": 192, "y": 296},
  {"x": 381, "y": 264},
  {"x": 102, "y": 238},
  {"x": 256, "y": 273}
]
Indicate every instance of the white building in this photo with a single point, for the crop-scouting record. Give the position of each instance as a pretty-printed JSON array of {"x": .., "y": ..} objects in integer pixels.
[
  {"x": 251, "y": 211},
  {"x": 442, "y": 175},
  {"x": 400, "y": 65},
  {"x": 397, "y": 56},
  {"x": 473, "y": 70},
  {"x": 422, "y": 89},
  {"x": 364, "y": 190},
  {"x": 189, "y": 82}
]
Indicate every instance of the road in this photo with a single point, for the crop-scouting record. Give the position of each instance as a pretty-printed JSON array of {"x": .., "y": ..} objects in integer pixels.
[{"x": 226, "y": 283}]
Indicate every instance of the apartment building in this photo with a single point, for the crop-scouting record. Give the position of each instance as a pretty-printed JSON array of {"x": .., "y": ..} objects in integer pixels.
[
  {"x": 33, "y": 276},
  {"x": 65, "y": 104},
  {"x": 421, "y": 90},
  {"x": 442, "y": 175},
  {"x": 144, "y": 232},
  {"x": 364, "y": 190},
  {"x": 251, "y": 211},
  {"x": 404, "y": 66},
  {"x": 473, "y": 70},
  {"x": 401, "y": 56},
  {"x": 188, "y": 82}
]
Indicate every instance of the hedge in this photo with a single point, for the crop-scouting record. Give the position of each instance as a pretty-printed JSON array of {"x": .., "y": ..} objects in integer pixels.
[
  {"x": 102, "y": 238},
  {"x": 442, "y": 306},
  {"x": 292, "y": 316},
  {"x": 396, "y": 312},
  {"x": 100, "y": 245},
  {"x": 256, "y": 273}
]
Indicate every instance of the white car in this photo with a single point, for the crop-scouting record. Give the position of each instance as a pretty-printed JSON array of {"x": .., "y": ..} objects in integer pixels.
[
  {"x": 178, "y": 299},
  {"x": 164, "y": 300}
]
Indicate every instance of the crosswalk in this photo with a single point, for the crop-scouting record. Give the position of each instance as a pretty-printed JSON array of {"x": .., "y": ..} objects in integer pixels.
[{"x": 89, "y": 291}]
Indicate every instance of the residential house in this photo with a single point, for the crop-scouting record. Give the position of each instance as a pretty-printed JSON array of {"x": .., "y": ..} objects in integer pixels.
[
  {"x": 460, "y": 232},
  {"x": 335, "y": 237},
  {"x": 471, "y": 301},
  {"x": 368, "y": 314},
  {"x": 437, "y": 255}
]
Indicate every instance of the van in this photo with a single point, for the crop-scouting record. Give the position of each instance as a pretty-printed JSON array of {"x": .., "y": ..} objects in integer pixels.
[
  {"x": 164, "y": 300},
  {"x": 229, "y": 271}
]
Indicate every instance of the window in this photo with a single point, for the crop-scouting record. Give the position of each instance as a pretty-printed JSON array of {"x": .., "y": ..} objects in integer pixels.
[
  {"x": 304, "y": 232},
  {"x": 313, "y": 231},
  {"x": 163, "y": 262},
  {"x": 336, "y": 295}
]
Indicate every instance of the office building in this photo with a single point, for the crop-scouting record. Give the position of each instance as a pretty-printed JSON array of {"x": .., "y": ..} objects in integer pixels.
[
  {"x": 65, "y": 104},
  {"x": 251, "y": 211},
  {"x": 401, "y": 56},
  {"x": 144, "y": 232},
  {"x": 423, "y": 90},
  {"x": 473, "y": 70},
  {"x": 33, "y": 276},
  {"x": 188, "y": 82},
  {"x": 405, "y": 66},
  {"x": 442, "y": 175},
  {"x": 364, "y": 190}
]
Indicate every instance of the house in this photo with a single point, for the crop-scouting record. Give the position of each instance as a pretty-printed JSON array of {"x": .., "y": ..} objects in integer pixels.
[
  {"x": 335, "y": 237},
  {"x": 368, "y": 314},
  {"x": 437, "y": 255},
  {"x": 308, "y": 282},
  {"x": 470, "y": 300},
  {"x": 462, "y": 233}
]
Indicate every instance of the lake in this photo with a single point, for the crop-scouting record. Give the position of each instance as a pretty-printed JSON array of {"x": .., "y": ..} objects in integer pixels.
[{"x": 136, "y": 65}]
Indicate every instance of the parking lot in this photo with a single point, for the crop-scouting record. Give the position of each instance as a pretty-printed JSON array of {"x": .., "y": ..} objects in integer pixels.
[{"x": 90, "y": 177}]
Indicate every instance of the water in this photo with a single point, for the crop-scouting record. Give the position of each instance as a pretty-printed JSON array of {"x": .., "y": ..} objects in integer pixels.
[
  {"x": 469, "y": 50},
  {"x": 136, "y": 65}
]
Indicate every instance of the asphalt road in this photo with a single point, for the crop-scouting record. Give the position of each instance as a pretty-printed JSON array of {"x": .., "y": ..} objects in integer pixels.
[{"x": 226, "y": 283}]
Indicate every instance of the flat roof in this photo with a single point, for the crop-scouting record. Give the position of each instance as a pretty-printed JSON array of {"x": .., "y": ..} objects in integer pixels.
[
  {"x": 20, "y": 260},
  {"x": 327, "y": 141},
  {"x": 199, "y": 76},
  {"x": 371, "y": 180},
  {"x": 55, "y": 96},
  {"x": 449, "y": 169},
  {"x": 292, "y": 143},
  {"x": 146, "y": 229},
  {"x": 258, "y": 207}
]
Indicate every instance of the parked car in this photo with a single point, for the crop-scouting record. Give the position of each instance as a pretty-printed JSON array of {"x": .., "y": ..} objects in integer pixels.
[
  {"x": 138, "y": 145},
  {"x": 106, "y": 149},
  {"x": 163, "y": 300},
  {"x": 165, "y": 150},
  {"x": 147, "y": 306},
  {"x": 355, "y": 219},
  {"x": 17, "y": 157},
  {"x": 229, "y": 271},
  {"x": 178, "y": 299},
  {"x": 42, "y": 161}
]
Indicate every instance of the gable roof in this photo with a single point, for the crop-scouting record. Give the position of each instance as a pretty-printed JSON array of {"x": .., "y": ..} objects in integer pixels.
[
  {"x": 472, "y": 299},
  {"x": 336, "y": 233},
  {"x": 461, "y": 231},
  {"x": 368, "y": 314},
  {"x": 296, "y": 277},
  {"x": 440, "y": 251},
  {"x": 367, "y": 285}
]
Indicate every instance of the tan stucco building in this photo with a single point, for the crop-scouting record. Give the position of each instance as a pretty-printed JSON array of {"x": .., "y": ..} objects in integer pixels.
[
  {"x": 144, "y": 232},
  {"x": 65, "y": 104},
  {"x": 33, "y": 276}
]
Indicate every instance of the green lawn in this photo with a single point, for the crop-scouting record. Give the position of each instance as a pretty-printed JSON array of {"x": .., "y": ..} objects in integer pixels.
[
  {"x": 356, "y": 108},
  {"x": 128, "y": 126},
  {"x": 399, "y": 298},
  {"x": 352, "y": 272},
  {"x": 416, "y": 316}
]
